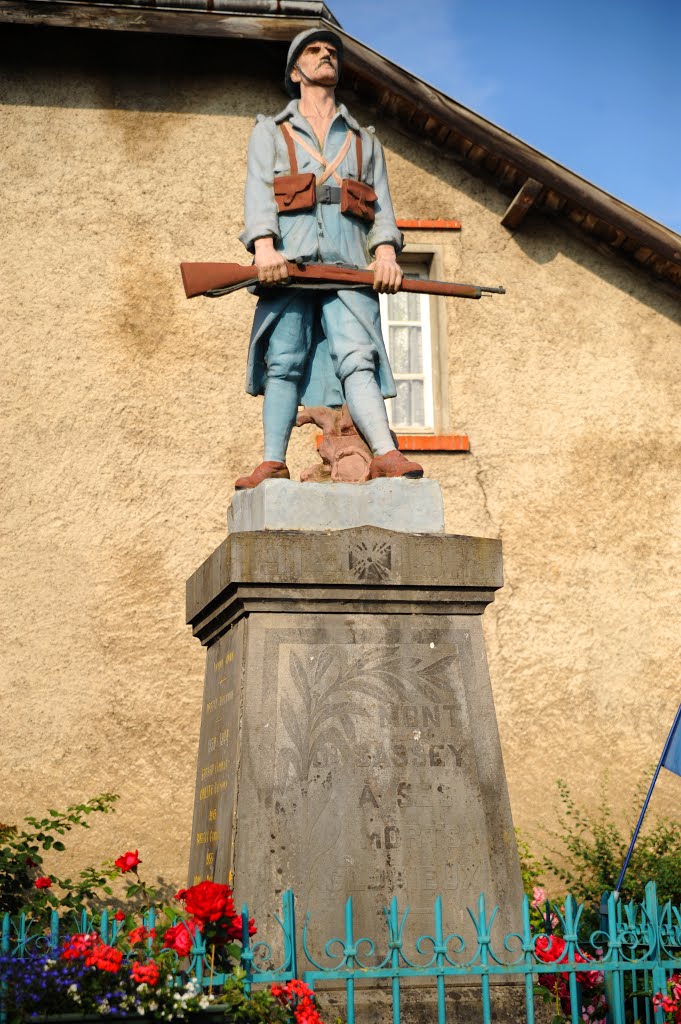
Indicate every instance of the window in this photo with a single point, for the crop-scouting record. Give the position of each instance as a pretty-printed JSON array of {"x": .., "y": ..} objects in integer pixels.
[
  {"x": 405, "y": 320},
  {"x": 415, "y": 332}
]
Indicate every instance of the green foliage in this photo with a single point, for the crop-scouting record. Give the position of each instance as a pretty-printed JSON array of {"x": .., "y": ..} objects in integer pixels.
[
  {"x": 22, "y": 860},
  {"x": 551, "y": 1001},
  {"x": 531, "y": 871},
  {"x": 260, "y": 1007},
  {"x": 530, "y": 867},
  {"x": 586, "y": 851}
]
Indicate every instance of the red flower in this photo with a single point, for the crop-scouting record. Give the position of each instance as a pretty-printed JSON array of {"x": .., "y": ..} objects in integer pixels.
[
  {"x": 235, "y": 930},
  {"x": 119, "y": 916},
  {"x": 127, "y": 861},
  {"x": 300, "y": 999},
  {"x": 137, "y": 935},
  {"x": 180, "y": 937},
  {"x": 553, "y": 949},
  {"x": 662, "y": 1002},
  {"x": 148, "y": 973},
  {"x": 79, "y": 945},
  {"x": 208, "y": 901},
  {"x": 43, "y": 883},
  {"x": 106, "y": 958},
  {"x": 549, "y": 948},
  {"x": 96, "y": 953}
]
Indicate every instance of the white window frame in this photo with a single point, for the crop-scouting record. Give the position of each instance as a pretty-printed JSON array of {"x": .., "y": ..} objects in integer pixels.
[
  {"x": 426, "y": 374},
  {"x": 427, "y": 260}
]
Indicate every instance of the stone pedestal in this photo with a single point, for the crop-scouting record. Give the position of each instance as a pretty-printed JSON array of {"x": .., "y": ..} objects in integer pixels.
[{"x": 349, "y": 743}]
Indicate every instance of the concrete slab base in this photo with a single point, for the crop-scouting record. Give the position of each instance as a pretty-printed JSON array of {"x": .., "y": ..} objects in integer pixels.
[{"x": 406, "y": 506}]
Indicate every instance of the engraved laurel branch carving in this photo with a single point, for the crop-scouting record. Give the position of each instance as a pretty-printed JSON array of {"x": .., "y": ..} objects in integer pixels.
[{"x": 332, "y": 691}]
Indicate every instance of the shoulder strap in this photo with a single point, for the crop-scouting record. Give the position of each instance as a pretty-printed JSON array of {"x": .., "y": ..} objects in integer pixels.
[
  {"x": 291, "y": 147},
  {"x": 358, "y": 146},
  {"x": 330, "y": 168},
  {"x": 329, "y": 165}
]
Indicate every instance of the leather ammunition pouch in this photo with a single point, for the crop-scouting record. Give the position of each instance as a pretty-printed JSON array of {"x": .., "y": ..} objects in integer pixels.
[
  {"x": 357, "y": 199},
  {"x": 295, "y": 192}
]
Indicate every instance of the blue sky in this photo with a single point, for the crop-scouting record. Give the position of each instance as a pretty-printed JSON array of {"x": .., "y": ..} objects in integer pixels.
[{"x": 594, "y": 84}]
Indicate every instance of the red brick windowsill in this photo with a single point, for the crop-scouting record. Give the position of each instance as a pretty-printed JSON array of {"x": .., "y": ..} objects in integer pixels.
[
  {"x": 427, "y": 442},
  {"x": 434, "y": 442},
  {"x": 428, "y": 224}
]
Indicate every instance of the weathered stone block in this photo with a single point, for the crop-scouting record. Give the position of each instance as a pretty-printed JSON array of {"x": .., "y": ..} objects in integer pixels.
[
  {"x": 405, "y": 506},
  {"x": 349, "y": 743}
]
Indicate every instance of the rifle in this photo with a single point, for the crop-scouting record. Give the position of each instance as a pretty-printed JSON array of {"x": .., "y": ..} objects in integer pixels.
[{"x": 214, "y": 279}]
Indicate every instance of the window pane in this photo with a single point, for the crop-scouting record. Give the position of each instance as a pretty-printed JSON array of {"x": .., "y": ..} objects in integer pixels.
[
  {"x": 401, "y": 404},
  {"x": 405, "y": 349},
  {"x": 404, "y": 306},
  {"x": 408, "y": 407},
  {"x": 415, "y": 350},
  {"x": 417, "y": 411},
  {"x": 399, "y": 349},
  {"x": 405, "y": 324}
]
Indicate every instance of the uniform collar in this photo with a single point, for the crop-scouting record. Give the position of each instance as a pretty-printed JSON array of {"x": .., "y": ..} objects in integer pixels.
[{"x": 290, "y": 113}]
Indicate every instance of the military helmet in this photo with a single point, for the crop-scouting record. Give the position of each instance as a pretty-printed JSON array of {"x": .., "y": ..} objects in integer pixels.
[{"x": 302, "y": 40}]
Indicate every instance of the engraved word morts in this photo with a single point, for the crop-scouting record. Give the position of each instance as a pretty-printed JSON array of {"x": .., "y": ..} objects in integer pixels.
[{"x": 349, "y": 744}]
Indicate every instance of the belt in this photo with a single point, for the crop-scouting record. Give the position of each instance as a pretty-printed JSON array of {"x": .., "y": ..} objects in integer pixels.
[{"x": 328, "y": 194}]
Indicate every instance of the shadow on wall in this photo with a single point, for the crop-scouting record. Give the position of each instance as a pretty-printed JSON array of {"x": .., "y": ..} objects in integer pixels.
[
  {"x": 542, "y": 241},
  {"x": 135, "y": 71}
]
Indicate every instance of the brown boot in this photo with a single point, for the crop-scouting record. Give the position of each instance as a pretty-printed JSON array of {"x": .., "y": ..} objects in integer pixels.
[
  {"x": 394, "y": 464},
  {"x": 265, "y": 471}
]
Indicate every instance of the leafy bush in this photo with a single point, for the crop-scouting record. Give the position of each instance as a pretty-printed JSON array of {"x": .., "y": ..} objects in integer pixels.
[
  {"x": 586, "y": 851},
  {"x": 24, "y": 886}
]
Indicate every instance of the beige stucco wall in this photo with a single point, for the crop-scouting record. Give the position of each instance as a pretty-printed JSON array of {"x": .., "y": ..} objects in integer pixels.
[{"x": 125, "y": 421}]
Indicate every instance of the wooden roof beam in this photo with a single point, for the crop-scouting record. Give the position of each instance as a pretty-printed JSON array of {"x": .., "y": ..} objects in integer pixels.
[{"x": 521, "y": 205}]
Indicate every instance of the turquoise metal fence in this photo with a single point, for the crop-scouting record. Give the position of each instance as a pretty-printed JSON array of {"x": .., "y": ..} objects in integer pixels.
[{"x": 625, "y": 960}]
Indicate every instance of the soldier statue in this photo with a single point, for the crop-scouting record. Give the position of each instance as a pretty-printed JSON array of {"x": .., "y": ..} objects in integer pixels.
[{"x": 317, "y": 191}]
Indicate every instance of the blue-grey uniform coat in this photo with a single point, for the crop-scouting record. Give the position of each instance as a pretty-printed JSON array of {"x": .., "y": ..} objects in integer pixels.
[{"x": 320, "y": 235}]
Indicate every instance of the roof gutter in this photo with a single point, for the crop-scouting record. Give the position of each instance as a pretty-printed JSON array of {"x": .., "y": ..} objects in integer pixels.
[{"x": 283, "y": 8}]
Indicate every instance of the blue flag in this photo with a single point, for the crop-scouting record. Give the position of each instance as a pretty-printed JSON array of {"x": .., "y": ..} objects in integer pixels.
[{"x": 671, "y": 758}]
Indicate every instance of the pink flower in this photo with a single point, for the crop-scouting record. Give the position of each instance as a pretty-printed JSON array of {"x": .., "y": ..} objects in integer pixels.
[
  {"x": 43, "y": 883},
  {"x": 538, "y": 897},
  {"x": 128, "y": 861}
]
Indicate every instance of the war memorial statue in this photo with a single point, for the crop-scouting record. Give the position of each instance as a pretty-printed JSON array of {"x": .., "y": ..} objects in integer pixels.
[
  {"x": 317, "y": 191},
  {"x": 348, "y": 743},
  {"x": 319, "y": 223}
]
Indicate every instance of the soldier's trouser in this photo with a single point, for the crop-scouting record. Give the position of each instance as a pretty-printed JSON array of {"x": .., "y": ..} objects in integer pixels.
[{"x": 353, "y": 353}]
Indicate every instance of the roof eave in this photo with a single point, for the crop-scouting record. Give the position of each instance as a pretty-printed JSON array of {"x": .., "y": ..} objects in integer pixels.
[{"x": 534, "y": 181}]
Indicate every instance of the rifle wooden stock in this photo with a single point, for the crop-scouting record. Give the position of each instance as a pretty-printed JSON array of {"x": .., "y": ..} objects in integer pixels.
[{"x": 221, "y": 278}]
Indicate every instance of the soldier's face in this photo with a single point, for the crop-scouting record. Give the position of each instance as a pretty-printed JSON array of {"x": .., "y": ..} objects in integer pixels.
[{"x": 319, "y": 63}]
